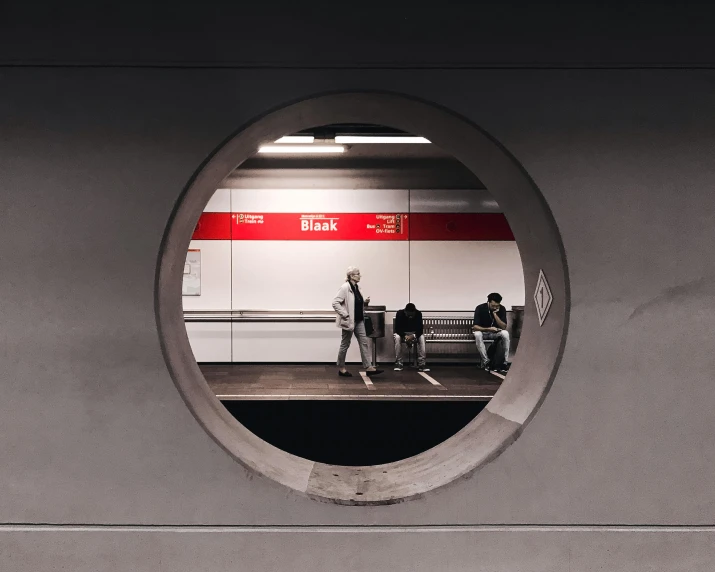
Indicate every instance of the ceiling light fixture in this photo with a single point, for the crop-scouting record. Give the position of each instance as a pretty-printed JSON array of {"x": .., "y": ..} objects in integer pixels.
[
  {"x": 356, "y": 139},
  {"x": 301, "y": 149},
  {"x": 296, "y": 139}
]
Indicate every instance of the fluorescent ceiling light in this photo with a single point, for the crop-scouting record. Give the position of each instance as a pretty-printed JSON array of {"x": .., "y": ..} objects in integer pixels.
[
  {"x": 301, "y": 149},
  {"x": 353, "y": 139},
  {"x": 299, "y": 139}
]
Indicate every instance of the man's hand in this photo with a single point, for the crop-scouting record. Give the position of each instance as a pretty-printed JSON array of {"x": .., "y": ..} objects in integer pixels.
[
  {"x": 493, "y": 329},
  {"x": 367, "y": 301},
  {"x": 410, "y": 337},
  {"x": 495, "y": 316}
]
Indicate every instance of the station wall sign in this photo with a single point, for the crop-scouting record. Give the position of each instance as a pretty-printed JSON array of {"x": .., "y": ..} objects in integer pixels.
[
  {"x": 319, "y": 226},
  {"x": 353, "y": 226}
]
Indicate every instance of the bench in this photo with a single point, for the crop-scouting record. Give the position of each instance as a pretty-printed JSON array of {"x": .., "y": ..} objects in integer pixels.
[
  {"x": 442, "y": 331},
  {"x": 447, "y": 329}
]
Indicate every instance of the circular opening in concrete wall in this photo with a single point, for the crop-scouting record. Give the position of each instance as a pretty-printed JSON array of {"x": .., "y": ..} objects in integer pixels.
[
  {"x": 419, "y": 228},
  {"x": 259, "y": 217}
]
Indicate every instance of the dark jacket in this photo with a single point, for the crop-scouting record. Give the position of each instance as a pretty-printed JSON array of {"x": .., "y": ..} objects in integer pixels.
[
  {"x": 404, "y": 324},
  {"x": 483, "y": 317}
]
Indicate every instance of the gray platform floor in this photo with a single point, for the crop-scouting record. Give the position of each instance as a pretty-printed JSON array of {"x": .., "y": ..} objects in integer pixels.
[{"x": 321, "y": 382}]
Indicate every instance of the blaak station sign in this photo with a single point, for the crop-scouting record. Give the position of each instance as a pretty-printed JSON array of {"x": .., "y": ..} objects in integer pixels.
[
  {"x": 353, "y": 226},
  {"x": 319, "y": 226}
]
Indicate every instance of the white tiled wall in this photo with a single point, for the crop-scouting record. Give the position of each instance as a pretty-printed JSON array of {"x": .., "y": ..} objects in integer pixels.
[
  {"x": 211, "y": 341},
  {"x": 437, "y": 276},
  {"x": 285, "y": 275},
  {"x": 458, "y": 275}
]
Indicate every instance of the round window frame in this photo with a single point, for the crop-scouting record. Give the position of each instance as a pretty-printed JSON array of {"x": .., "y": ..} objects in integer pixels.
[{"x": 540, "y": 348}]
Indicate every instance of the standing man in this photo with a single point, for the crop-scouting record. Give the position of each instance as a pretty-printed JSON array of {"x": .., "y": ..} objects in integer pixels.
[
  {"x": 490, "y": 324},
  {"x": 408, "y": 330}
]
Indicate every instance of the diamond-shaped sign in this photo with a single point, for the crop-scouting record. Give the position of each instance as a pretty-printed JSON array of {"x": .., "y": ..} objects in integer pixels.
[{"x": 542, "y": 297}]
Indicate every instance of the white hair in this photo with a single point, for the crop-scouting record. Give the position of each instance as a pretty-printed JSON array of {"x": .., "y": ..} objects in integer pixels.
[{"x": 352, "y": 270}]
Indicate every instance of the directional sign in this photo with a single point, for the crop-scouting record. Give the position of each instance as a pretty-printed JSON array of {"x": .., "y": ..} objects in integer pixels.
[{"x": 542, "y": 297}]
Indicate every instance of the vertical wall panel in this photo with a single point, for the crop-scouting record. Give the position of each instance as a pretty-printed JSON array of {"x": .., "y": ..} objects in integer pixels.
[
  {"x": 306, "y": 275},
  {"x": 289, "y": 342},
  {"x": 215, "y": 276},
  {"x": 453, "y": 201},
  {"x": 458, "y": 275},
  {"x": 210, "y": 341}
]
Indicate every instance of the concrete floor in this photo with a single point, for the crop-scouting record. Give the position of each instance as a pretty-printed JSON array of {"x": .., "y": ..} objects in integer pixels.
[{"x": 321, "y": 382}]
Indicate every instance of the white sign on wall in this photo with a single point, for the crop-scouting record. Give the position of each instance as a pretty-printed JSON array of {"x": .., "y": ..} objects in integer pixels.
[
  {"x": 191, "y": 285},
  {"x": 542, "y": 297}
]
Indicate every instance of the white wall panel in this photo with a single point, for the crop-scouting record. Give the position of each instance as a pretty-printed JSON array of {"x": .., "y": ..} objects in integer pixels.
[
  {"x": 210, "y": 342},
  {"x": 215, "y": 276},
  {"x": 289, "y": 342},
  {"x": 220, "y": 202},
  {"x": 319, "y": 200},
  {"x": 457, "y": 275},
  {"x": 453, "y": 201},
  {"x": 307, "y": 274}
]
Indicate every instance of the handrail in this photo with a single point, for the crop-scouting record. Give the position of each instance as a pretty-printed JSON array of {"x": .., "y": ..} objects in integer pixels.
[
  {"x": 259, "y": 315},
  {"x": 257, "y": 311},
  {"x": 324, "y": 311},
  {"x": 264, "y": 315}
]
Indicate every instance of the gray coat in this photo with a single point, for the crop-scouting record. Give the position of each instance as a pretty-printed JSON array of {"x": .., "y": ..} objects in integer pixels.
[{"x": 344, "y": 306}]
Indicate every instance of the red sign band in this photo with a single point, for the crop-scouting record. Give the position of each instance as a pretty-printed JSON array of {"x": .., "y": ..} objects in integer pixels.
[{"x": 353, "y": 226}]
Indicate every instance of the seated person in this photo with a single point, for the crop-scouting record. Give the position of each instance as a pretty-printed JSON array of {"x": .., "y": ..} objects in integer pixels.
[
  {"x": 408, "y": 330},
  {"x": 490, "y": 324}
]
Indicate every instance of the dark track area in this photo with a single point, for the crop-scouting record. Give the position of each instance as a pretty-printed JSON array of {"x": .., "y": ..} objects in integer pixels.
[{"x": 354, "y": 432}]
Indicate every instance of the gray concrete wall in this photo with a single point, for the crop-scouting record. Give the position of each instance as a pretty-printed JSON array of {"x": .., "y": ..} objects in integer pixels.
[{"x": 93, "y": 433}]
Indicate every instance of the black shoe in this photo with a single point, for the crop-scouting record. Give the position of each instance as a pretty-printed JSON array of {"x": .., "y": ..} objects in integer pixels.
[
  {"x": 423, "y": 368},
  {"x": 398, "y": 366},
  {"x": 503, "y": 368},
  {"x": 487, "y": 366},
  {"x": 376, "y": 372},
  {"x": 344, "y": 373}
]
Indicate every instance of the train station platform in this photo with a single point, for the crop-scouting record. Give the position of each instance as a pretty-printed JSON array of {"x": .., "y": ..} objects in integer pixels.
[{"x": 235, "y": 382}]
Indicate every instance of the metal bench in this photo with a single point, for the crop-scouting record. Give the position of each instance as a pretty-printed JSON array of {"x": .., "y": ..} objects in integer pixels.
[
  {"x": 447, "y": 329},
  {"x": 442, "y": 332}
]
